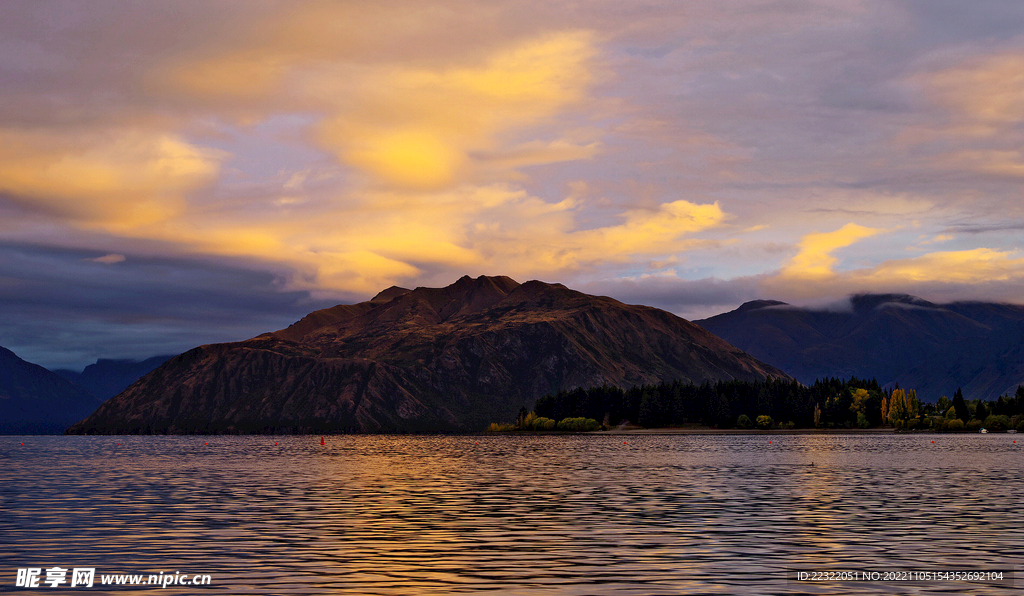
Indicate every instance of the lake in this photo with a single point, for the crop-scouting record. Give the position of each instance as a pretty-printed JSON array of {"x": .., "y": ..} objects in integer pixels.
[{"x": 558, "y": 514}]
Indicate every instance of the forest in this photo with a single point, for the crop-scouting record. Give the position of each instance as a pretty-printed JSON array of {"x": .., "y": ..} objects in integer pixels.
[{"x": 827, "y": 404}]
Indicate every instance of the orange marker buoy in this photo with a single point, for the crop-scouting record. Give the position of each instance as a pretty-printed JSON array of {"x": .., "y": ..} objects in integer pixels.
[
  {"x": 275, "y": 442},
  {"x": 205, "y": 443},
  {"x": 933, "y": 442},
  {"x": 769, "y": 442},
  {"x": 322, "y": 441}
]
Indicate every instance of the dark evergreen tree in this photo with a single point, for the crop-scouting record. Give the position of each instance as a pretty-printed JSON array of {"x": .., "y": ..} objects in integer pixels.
[{"x": 960, "y": 406}]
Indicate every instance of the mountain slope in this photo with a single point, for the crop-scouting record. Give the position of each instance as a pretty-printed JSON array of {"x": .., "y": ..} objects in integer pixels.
[
  {"x": 106, "y": 378},
  {"x": 892, "y": 337},
  {"x": 450, "y": 358},
  {"x": 34, "y": 400}
]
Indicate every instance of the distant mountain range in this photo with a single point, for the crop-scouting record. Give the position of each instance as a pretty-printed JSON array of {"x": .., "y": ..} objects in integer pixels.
[
  {"x": 895, "y": 338},
  {"x": 34, "y": 400},
  {"x": 452, "y": 358},
  {"x": 106, "y": 378}
]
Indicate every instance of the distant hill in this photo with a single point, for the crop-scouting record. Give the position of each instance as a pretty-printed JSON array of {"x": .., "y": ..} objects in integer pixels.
[
  {"x": 452, "y": 358},
  {"x": 106, "y": 378},
  {"x": 895, "y": 338},
  {"x": 34, "y": 400}
]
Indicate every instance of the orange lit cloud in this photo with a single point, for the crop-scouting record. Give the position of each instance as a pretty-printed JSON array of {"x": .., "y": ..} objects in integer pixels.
[
  {"x": 958, "y": 267},
  {"x": 390, "y": 238},
  {"x": 420, "y": 128},
  {"x": 110, "y": 179},
  {"x": 815, "y": 260}
]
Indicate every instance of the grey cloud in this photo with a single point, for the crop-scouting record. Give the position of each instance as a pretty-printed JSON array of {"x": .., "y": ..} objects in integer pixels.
[
  {"x": 63, "y": 309},
  {"x": 691, "y": 299}
]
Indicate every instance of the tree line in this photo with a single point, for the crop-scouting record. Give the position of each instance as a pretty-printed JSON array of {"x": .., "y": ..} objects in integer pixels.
[{"x": 827, "y": 403}]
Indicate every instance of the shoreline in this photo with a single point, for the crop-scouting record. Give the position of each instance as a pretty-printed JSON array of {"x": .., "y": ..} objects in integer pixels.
[{"x": 745, "y": 431}]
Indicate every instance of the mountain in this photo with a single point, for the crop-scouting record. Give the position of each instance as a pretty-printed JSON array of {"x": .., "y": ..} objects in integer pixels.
[
  {"x": 34, "y": 400},
  {"x": 429, "y": 359},
  {"x": 895, "y": 338},
  {"x": 106, "y": 378}
]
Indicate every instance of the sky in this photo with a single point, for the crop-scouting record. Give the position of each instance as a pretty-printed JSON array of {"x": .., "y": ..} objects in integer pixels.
[{"x": 179, "y": 173}]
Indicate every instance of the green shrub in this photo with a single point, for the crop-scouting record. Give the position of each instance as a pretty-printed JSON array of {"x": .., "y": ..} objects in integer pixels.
[
  {"x": 955, "y": 425},
  {"x": 500, "y": 427},
  {"x": 743, "y": 421},
  {"x": 542, "y": 423},
  {"x": 1020, "y": 425},
  {"x": 913, "y": 423},
  {"x": 997, "y": 424},
  {"x": 862, "y": 420},
  {"x": 787, "y": 425},
  {"x": 974, "y": 425},
  {"x": 578, "y": 424},
  {"x": 764, "y": 422}
]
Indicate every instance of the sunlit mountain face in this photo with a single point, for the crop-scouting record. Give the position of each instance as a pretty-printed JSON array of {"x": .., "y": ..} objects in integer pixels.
[{"x": 428, "y": 359}]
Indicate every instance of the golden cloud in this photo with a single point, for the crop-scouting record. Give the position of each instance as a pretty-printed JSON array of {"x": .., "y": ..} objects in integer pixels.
[
  {"x": 815, "y": 260},
  {"x": 111, "y": 179},
  {"x": 961, "y": 267},
  {"x": 426, "y": 128}
]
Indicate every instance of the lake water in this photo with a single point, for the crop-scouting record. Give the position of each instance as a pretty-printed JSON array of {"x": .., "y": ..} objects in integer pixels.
[{"x": 566, "y": 514}]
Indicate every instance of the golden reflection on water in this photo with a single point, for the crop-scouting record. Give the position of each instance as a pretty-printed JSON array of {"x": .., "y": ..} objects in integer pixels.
[{"x": 565, "y": 514}]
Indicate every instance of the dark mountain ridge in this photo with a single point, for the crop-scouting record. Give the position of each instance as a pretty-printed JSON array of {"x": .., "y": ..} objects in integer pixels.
[
  {"x": 452, "y": 358},
  {"x": 895, "y": 338},
  {"x": 107, "y": 377},
  {"x": 34, "y": 400}
]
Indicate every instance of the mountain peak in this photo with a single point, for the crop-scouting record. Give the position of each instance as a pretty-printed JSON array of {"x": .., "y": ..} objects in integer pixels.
[
  {"x": 756, "y": 304},
  {"x": 451, "y": 358},
  {"x": 389, "y": 294}
]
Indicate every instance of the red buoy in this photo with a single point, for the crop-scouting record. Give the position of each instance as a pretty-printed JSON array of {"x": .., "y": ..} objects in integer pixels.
[{"x": 322, "y": 441}]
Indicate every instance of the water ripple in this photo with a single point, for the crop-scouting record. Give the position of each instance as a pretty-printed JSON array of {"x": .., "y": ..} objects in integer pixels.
[{"x": 566, "y": 514}]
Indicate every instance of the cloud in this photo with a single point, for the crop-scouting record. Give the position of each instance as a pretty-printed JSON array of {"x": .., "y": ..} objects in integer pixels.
[
  {"x": 974, "y": 274},
  {"x": 109, "y": 259},
  {"x": 113, "y": 179},
  {"x": 987, "y": 89},
  {"x": 62, "y": 310},
  {"x": 424, "y": 128},
  {"x": 815, "y": 260},
  {"x": 332, "y": 149},
  {"x": 954, "y": 267}
]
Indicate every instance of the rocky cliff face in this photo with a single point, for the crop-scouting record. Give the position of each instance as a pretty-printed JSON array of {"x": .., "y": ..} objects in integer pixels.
[{"x": 428, "y": 359}]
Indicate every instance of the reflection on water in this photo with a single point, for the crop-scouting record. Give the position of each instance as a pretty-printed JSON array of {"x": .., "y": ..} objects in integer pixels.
[{"x": 661, "y": 514}]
